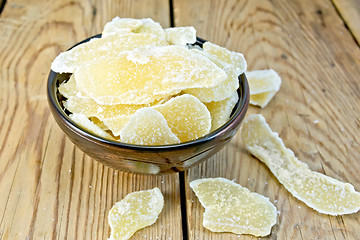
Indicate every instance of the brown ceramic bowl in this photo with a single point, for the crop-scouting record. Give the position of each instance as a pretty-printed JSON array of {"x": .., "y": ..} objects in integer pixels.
[{"x": 146, "y": 159}]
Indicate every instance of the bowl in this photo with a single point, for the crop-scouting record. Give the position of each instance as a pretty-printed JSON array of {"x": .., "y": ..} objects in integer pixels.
[{"x": 146, "y": 159}]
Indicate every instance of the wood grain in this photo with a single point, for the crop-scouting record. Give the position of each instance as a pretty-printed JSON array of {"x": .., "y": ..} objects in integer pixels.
[
  {"x": 316, "y": 111},
  {"x": 49, "y": 188},
  {"x": 349, "y": 10}
]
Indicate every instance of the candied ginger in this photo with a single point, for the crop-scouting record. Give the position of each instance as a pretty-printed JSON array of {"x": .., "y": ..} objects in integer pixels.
[
  {"x": 88, "y": 125},
  {"x": 320, "y": 192},
  {"x": 121, "y": 25},
  {"x": 263, "y": 84},
  {"x": 69, "y": 89},
  {"x": 229, "y": 207},
  {"x": 187, "y": 117},
  {"x": 148, "y": 127},
  {"x": 231, "y": 59},
  {"x": 151, "y": 27},
  {"x": 157, "y": 73},
  {"x": 220, "y": 111},
  {"x": 180, "y": 35},
  {"x": 222, "y": 91},
  {"x": 110, "y": 47},
  {"x": 136, "y": 211}
]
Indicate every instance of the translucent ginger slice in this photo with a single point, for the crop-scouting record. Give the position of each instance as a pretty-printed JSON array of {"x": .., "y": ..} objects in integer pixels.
[
  {"x": 136, "y": 211},
  {"x": 121, "y": 25},
  {"x": 180, "y": 35},
  {"x": 143, "y": 76},
  {"x": 229, "y": 207},
  {"x": 264, "y": 84},
  {"x": 88, "y": 125},
  {"x": 109, "y": 46},
  {"x": 148, "y": 127},
  {"x": 262, "y": 99},
  {"x": 69, "y": 89},
  {"x": 220, "y": 92},
  {"x": 232, "y": 59},
  {"x": 113, "y": 116},
  {"x": 320, "y": 192},
  {"x": 187, "y": 117},
  {"x": 220, "y": 111}
]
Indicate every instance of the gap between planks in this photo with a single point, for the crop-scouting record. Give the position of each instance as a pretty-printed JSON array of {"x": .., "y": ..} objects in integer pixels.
[
  {"x": 347, "y": 24},
  {"x": 2, "y": 5}
]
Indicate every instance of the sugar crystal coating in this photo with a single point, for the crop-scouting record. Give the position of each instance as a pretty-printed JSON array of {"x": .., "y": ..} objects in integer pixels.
[
  {"x": 148, "y": 127},
  {"x": 187, "y": 117},
  {"x": 88, "y": 125},
  {"x": 109, "y": 46},
  {"x": 226, "y": 88},
  {"x": 229, "y": 207},
  {"x": 121, "y": 25},
  {"x": 180, "y": 35},
  {"x": 220, "y": 111},
  {"x": 263, "y": 84},
  {"x": 136, "y": 211},
  {"x": 140, "y": 77},
  {"x": 320, "y": 192}
]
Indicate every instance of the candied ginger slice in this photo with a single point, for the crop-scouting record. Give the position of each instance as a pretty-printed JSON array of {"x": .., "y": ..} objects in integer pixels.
[
  {"x": 229, "y": 207},
  {"x": 151, "y": 27},
  {"x": 261, "y": 81},
  {"x": 233, "y": 59},
  {"x": 147, "y": 127},
  {"x": 220, "y": 92},
  {"x": 88, "y": 125},
  {"x": 109, "y": 46},
  {"x": 160, "y": 72},
  {"x": 220, "y": 111},
  {"x": 136, "y": 211},
  {"x": 121, "y": 25},
  {"x": 69, "y": 89},
  {"x": 320, "y": 192},
  {"x": 262, "y": 99},
  {"x": 180, "y": 35},
  {"x": 264, "y": 84},
  {"x": 187, "y": 117}
]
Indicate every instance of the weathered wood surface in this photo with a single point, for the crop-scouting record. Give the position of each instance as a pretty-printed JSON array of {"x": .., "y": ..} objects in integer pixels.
[
  {"x": 316, "y": 111},
  {"x": 49, "y": 188},
  {"x": 349, "y": 10}
]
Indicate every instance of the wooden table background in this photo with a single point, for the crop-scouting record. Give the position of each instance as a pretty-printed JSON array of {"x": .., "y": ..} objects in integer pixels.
[{"x": 51, "y": 190}]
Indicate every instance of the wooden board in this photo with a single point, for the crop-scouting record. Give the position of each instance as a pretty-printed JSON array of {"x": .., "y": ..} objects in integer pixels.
[
  {"x": 316, "y": 111},
  {"x": 49, "y": 188},
  {"x": 349, "y": 10}
]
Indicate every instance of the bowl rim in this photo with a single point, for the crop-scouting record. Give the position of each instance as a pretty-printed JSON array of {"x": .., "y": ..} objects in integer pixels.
[{"x": 237, "y": 115}]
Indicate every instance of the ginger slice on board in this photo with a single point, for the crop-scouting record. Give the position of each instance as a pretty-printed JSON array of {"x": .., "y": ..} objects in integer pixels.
[
  {"x": 88, "y": 125},
  {"x": 220, "y": 111},
  {"x": 263, "y": 84},
  {"x": 320, "y": 192},
  {"x": 229, "y": 207},
  {"x": 143, "y": 76},
  {"x": 187, "y": 117},
  {"x": 109, "y": 46},
  {"x": 147, "y": 127},
  {"x": 180, "y": 35},
  {"x": 136, "y": 211}
]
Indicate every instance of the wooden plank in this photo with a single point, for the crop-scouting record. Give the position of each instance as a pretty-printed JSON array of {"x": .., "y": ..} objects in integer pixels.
[
  {"x": 350, "y": 12},
  {"x": 316, "y": 112},
  {"x": 49, "y": 188}
]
